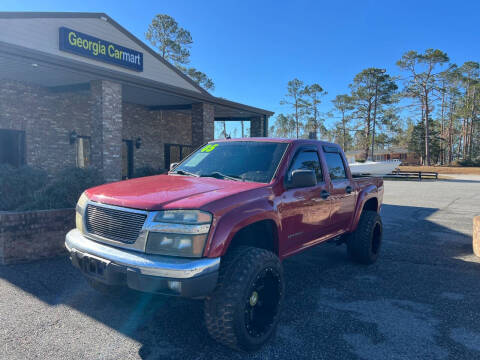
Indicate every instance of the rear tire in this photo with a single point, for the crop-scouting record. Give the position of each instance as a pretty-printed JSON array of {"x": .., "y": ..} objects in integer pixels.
[
  {"x": 363, "y": 245},
  {"x": 243, "y": 311}
]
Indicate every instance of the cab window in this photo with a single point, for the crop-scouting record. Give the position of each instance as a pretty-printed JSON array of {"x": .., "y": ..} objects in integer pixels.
[
  {"x": 336, "y": 167},
  {"x": 307, "y": 160}
]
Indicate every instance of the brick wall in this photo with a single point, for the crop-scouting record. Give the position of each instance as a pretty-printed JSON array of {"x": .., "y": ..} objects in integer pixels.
[
  {"x": 107, "y": 125},
  {"x": 155, "y": 128},
  {"x": 33, "y": 235},
  {"x": 256, "y": 127},
  {"x": 203, "y": 126},
  {"x": 47, "y": 119}
]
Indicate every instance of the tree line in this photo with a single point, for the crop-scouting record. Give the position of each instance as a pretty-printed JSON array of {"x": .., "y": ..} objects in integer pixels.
[{"x": 432, "y": 108}]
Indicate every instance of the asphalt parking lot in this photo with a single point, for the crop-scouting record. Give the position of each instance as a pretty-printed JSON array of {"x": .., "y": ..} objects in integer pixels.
[{"x": 421, "y": 300}]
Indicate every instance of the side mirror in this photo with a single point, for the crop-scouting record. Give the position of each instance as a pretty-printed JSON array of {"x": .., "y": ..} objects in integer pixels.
[
  {"x": 173, "y": 165},
  {"x": 303, "y": 178}
]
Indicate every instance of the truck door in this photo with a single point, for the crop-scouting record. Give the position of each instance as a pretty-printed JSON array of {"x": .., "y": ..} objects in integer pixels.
[
  {"x": 342, "y": 190},
  {"x": 305, "y": 211}
]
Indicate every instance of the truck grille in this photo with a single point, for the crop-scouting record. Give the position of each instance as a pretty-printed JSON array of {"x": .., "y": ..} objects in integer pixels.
[{"x": 119, "y": 225}]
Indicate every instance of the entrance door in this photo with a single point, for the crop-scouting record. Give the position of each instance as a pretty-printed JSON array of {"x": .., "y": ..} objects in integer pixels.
[
  {"x": 176, "y": 153},
  {"x": 127, "y": 159}
]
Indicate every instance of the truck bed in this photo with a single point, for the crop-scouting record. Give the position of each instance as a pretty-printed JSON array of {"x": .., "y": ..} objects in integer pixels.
[{"x": 364, "y": 181}]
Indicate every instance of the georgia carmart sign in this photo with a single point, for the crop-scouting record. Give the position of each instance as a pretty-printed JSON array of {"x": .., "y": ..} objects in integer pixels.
[{"x": 85, "y": 45}]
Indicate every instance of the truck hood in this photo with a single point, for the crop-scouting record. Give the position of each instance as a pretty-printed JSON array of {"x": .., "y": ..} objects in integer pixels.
[{"x": 167, "y": 192}]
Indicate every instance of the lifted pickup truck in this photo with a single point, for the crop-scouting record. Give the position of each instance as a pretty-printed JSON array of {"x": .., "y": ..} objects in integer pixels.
[{"x": 219, "y": 224}]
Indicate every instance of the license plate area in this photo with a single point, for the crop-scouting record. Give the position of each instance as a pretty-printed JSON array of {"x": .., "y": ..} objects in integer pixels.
[{"x": 93, "y": 266}]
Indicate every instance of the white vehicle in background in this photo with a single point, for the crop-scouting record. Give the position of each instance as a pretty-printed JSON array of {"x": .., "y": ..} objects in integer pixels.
[{"x": 374, "y": 167}]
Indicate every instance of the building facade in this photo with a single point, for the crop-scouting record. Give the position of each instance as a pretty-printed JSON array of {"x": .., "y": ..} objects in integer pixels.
[
  {"x": 77, "y": 89},
  {"x": 393, "y": 153}
]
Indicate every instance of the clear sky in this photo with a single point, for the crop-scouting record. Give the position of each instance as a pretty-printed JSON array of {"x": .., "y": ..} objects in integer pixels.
[{"x": 252, "y": 48}]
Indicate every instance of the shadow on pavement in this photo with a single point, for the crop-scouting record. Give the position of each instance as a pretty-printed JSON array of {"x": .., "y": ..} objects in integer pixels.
[
  {"x": 466, "y": 181},
  {"x": 402, "y": 305}
]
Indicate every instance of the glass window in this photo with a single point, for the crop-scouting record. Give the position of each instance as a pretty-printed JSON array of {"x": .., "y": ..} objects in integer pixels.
[
  {"x": 243, "y": 160},
  {"x": 12, "y": 147},
  {"x": 336, "y": 167},
  {"x": 175, "y": 153},
  {"x": 307, "y": 160},
  {"x": 186, "y": 150},
  {"x": 83, "y": 151},
  {"x": 127, "y": 159}
]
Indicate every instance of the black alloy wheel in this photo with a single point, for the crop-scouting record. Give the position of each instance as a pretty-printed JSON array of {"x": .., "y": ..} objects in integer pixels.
[{"x": 261, "y": 307}]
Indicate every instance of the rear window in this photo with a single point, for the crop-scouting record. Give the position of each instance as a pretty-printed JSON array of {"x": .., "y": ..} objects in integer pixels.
[{"x": 336, "y": 167}]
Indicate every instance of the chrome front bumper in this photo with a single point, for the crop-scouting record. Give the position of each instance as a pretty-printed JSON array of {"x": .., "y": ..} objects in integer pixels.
[{"x": 145, "y": 264}]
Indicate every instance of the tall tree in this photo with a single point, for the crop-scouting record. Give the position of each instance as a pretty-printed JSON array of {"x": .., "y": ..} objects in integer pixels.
[
  {"x": 417, "y": 140},
  {"x": 344, "y": 104},
  {"x": 422, "y": 83},
  {"x": 245, "y": 128},
  {"x": 221, "y": 130},
  {"x": 199, "y": 77},
  {"x": 312, "y": 99},
  {"x": 173, "y": 43},
  {"x": 372, "y": 89},
  {"x": 448, "y": 88},
  {"x": 295, "y": 98},
  {"x": 470, "y": 83},
  {"x": 443, "y": 82},
  {"x": 284, "y": 126}
]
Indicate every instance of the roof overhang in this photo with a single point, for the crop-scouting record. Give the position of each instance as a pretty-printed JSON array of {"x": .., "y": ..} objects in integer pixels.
[{"x": 53, "y": 71}]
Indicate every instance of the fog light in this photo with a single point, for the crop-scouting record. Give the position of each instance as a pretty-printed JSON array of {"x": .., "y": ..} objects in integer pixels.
[
  {"x": 175, "y": 286},
  {"x": 79, "y": 221}
]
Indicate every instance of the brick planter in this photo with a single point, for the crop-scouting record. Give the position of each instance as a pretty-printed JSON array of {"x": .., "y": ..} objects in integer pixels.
[{"x": 33, "y": 235}]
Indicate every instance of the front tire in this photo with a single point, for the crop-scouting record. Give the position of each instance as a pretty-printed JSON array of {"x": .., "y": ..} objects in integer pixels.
[
  {"x": 363, "y": 245},
  {"x": 243, "y": 311}
]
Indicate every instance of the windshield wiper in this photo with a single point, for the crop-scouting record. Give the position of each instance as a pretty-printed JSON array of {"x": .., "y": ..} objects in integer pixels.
[
  {"x": 183, "y": 172},
  {"x": 217, "y": 174}
]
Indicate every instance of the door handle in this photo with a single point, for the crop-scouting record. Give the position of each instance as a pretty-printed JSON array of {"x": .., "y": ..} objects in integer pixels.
[
  {"x": 324, "y": 194},
  {"x": 348, "y": 189}
]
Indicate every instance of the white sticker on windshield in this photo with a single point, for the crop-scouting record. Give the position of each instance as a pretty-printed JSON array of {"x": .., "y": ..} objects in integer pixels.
[{"x": 196, "y": 159}]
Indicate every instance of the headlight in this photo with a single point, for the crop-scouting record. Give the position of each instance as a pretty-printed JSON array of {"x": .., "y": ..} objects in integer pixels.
[
  {"x": 179, "y": 233},
  {"x": 183, "y": 217},
  {"x": 80, "y": 210}
]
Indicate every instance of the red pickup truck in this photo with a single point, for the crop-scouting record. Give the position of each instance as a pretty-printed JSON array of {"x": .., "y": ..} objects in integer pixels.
[{"x": 219, "y": 224}]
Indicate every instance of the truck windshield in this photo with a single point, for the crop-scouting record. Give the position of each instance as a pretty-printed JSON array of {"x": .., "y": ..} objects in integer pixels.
[{"x": 236, "y": 160}]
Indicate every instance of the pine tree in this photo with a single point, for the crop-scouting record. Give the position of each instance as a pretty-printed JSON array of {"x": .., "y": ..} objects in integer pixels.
[
  {"x": 372, "y": 89},
  {"x": 422, "y": 83},
  {"x": 295, "y": 98},
  {"x": 173, "y": 43}
]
